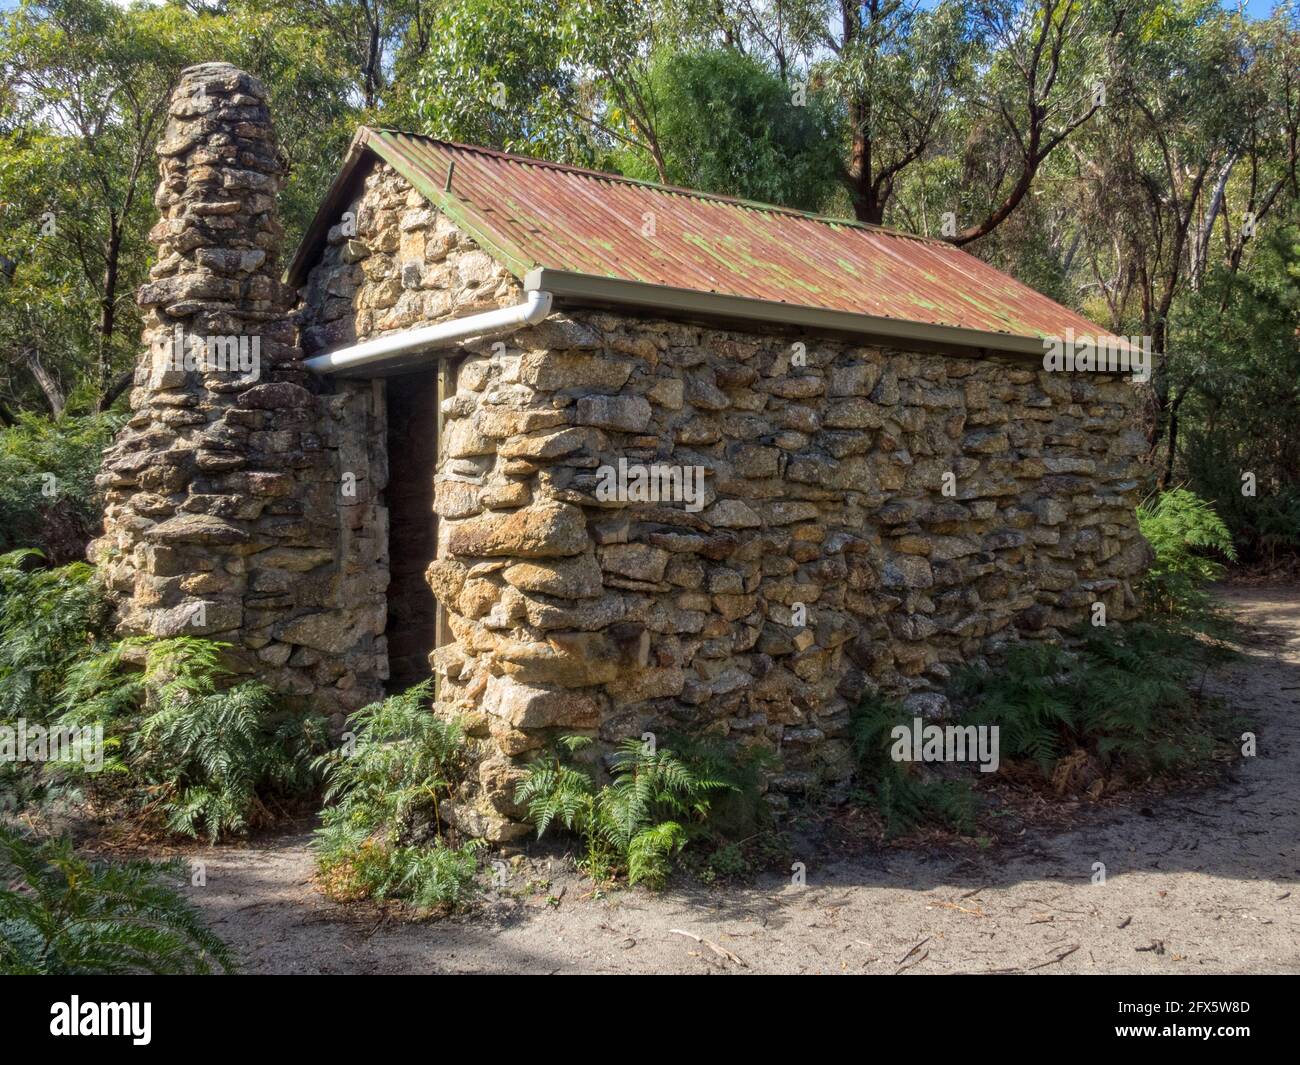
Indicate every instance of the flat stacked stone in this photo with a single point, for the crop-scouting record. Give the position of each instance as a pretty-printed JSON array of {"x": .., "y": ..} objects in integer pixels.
[
  {"x": 225, "y": 510},
  {"x": 872, "y": 518}
]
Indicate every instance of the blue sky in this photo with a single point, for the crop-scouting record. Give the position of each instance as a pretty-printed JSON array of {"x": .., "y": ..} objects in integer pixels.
[{"x": 1259, "y": 8}]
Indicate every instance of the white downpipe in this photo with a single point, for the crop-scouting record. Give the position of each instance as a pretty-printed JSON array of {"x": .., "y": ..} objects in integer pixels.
[{"x": 535, "y": 307}]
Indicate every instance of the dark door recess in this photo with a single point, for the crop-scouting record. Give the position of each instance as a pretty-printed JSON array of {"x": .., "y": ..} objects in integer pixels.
[{"x": 413, "y": 423}]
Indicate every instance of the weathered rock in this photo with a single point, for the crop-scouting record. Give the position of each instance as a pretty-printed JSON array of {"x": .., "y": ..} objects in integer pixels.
[
  {"x": 526, "y": 707},
  {"x": 578, "y": 577},
  {"x": 629, "y": 414},
  {"x": 861, "y": 519},
  {"x": 196, "y": 529},
  {"x": 331, "y": 632},
  {"x": 543, "y": 530},
  {"x": 540, "y": 445},
  {"x": 577, "y": 659},
  {"x": 907, "y": 572},
  {"x": 639, "y": 562},
  {"x": 554, "y": 370},
  {"x": 732, "y": 514}
]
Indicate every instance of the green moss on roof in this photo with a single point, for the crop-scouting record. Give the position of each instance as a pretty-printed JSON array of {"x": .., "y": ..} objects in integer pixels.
[{"x": 528, "y": 213}]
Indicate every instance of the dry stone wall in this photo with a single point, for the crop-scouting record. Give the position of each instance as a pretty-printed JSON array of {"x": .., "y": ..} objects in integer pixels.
[
  {"x": 868, "y": 519},
  {"x": 227, "y": 515},
  {"x": 392, "y": 263}
]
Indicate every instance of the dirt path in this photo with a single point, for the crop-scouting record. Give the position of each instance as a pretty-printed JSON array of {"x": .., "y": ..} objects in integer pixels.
[{"x": 1197, "y": 883}]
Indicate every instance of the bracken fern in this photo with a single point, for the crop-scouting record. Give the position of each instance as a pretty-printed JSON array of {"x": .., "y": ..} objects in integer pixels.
[
  {"x": 208, "y": 757},
  {"x": 898, "y": 791},
  {"x": 61, "y": 914},
  {"x": 638, "y": 822},
  {"x": 1186, "y": 534},
  {"x": 48, "y": 618},
  {"x": 384, "y": 792},
  {"x": 1123, "y": 693}
]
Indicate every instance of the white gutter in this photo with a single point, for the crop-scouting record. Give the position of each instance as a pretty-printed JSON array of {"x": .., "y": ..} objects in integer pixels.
[
  {"x": 745, "y": 312},
  {"x": 383, "y": 350}
]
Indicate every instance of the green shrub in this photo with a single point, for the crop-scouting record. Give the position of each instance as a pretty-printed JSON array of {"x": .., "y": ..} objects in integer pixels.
[
  {"x": 726, "y": 123},
  {"x": 204, "y": 757},
  {"x": 1186, "y": 534},
  {"x": 1276, "y": 524},
  {"x": 736, "y": 810},
  {"x": 216, "y": 758},
  {"x": 61, "y": 914},
  {"x": 1236, "y": 380},
  {"x": 638, "y": 822},
  {"x": 1028, "y": 696},
  {"x": 381, "y": 836},
  {"x": 48, "y": 619},
  {"x": 208, "y": 758},
  {"x": 47, "y": 482},
  {"x": 1123, "y": 695},
  {"x": 899, "y": 791},
  {"x": 433, "y": 875},
  {"x": 727, "y": 862}
]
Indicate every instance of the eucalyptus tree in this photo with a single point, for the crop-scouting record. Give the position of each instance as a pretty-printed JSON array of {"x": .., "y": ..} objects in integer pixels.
[
  {"x": 1194, "y": 155},
  {"x": 498, "y": 73},
  {"x": 728, "y": 123},
  {"x": 89, "y": 84}
]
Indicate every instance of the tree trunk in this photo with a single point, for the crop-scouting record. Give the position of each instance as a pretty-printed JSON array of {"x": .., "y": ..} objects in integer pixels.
[
  {"x": 868, "y": 204},
  {"x": 108, "y": 302},
  {"x": 1168, "y": 475},
  {"x": 49, "y": 386},
  {"x": 114, "y": 390}
]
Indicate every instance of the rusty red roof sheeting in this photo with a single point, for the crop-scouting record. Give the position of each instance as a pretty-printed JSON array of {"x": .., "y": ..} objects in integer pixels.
[{"x": 530, "y": 213}]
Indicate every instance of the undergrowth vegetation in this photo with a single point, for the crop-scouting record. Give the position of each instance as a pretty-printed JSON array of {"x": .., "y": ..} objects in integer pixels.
[
  {"x": 47, "y": 482},
  {"x": 655, "y": 804},
  {"x": 65, "y": 915},
  {"x": 49, "y": 618},
  {"x": 182, "y": 745},
  {"x": 1125, "y": 695},
  {"x": 381, "y": 834},
  {"x": 1189, "y": 540},
  {"x": 167, "y": 738},
  {"x": 1111, "y": 705},
  {"x": 209, "y": 757},
  {"x": 900, "y": 792}
]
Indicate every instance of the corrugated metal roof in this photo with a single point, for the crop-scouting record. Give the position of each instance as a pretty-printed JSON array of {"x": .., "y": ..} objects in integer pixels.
[{"x": 529, "y": 213}]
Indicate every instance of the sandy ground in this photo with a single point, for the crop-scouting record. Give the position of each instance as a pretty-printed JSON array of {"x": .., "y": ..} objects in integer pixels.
[{"x": 1195, "y": 883}]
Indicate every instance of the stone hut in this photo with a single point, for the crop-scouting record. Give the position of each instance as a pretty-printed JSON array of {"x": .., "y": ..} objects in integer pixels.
[{"x": 608, "y": 457}]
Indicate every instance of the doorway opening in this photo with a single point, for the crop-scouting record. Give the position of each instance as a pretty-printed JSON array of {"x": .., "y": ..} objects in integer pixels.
[{"x": 413, "y": 431}]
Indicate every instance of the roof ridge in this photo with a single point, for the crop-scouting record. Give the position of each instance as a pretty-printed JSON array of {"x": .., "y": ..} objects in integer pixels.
[
  {"x": 534, "y": 218},
  {"x": 677, "y": 190}
]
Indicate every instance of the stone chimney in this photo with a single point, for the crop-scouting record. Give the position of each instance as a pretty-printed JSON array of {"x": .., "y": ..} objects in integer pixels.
[{"x": 226, "y": 513}]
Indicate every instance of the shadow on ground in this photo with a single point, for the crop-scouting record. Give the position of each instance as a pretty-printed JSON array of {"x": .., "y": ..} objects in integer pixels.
[{"x": 1195, "y": 882}]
